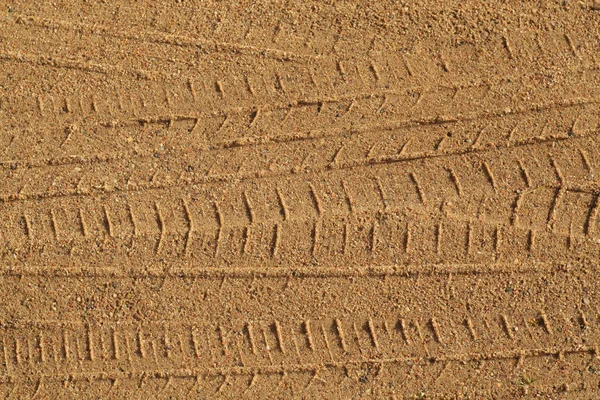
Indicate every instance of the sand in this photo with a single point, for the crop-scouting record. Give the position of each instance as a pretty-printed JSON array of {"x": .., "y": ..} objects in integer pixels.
[{"x": 299, "y": 200}]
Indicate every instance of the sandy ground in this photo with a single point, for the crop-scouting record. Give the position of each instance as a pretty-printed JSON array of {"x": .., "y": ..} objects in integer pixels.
[{"x": 304, "y": 200}]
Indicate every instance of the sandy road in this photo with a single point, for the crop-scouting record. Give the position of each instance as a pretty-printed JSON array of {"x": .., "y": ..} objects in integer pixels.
[{"x": 299, "y": 201}]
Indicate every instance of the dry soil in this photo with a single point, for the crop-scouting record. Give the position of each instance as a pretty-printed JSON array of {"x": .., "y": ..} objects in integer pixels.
[{"x": 294, "y": 199}]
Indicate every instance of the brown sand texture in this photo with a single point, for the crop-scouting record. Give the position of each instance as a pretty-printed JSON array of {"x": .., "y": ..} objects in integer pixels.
[{"x": 299, "y": 199}]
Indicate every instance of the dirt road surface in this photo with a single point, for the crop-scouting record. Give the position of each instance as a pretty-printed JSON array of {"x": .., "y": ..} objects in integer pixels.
[{"x": 311, "y": 200}]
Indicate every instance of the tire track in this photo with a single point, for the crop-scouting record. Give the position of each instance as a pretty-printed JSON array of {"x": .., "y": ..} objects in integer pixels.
[
  {"x": 401, "y": 164},
  {"x": 248, "y": 249},
  {"x": 290, "y": 121},
  {"x": 158, "y": 37},
  {"x": 186, "y": 382},
  {"x": 572, "y": 217},
  {"x": 374, "y": 141},
  {"x": 185, "y": 96},
  {"x": 336, "y": 34},
  {"x": 151, "y": 350},
  {"x": 563, "y": 43}
]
